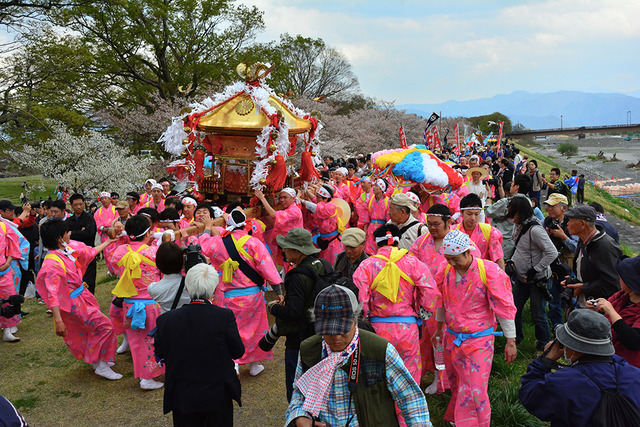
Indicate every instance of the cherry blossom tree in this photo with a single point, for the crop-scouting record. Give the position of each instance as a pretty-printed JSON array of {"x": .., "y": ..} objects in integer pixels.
[{"x": 88, "y": 161}]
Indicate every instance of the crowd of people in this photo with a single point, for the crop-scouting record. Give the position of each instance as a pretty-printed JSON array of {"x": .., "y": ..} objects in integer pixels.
[{"x": 410, "y": 283}]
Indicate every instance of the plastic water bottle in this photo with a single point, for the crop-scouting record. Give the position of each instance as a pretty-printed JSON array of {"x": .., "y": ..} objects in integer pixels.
[{"x": 438, "y": 355}]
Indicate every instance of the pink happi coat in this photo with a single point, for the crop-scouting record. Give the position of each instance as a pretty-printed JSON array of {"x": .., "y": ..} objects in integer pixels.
[
  {"x": 285, "y": 220},
  {"x": 90, "y": 335},
  {"x": 472, "y": 306},
  {"x": 150, "y": 204},
  {"x": 117, "y": 314},
  {"x": 360, "y": 206},
  {"x": 377, "y": 214},
  {"x": 343, "y": 191},
  {"x": 491, "y": 250},
  {"x": 142, "y": 352},
  {"x": 425, "y": 250},
  {"x": 327, "y": 216},
  {"x": 104, "y": 218},
  {"x": 423, "y": 292},
  {"x": 144, "y": 198},
  {"x": 9, "y": 247},
  {"x": 433, "y": 199},
  {"x": 250, "y": 310}
]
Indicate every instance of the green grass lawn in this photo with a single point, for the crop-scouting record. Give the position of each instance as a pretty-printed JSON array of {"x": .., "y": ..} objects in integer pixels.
[{"x": 10, "y": 188}]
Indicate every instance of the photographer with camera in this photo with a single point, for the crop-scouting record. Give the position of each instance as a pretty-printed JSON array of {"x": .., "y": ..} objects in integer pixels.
[
  {"x": 292, "y": 317},
  {"x": 598, "y": 388},
  {"x": 596, "y": 256},
  {"x": 533, "y": 254},
  {"x": 556, "y": 226}
]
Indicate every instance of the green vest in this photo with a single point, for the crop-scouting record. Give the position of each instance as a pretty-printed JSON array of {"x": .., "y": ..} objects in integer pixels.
[{"x": 373, "y": 401}]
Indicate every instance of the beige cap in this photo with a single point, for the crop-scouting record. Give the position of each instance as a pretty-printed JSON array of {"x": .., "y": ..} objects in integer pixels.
[
  {"x": 556, "y": 198},
  {"x": 122, "y": 204},
  {"x": 353, "y": 237},
  {"x": 402, "y": 199}
]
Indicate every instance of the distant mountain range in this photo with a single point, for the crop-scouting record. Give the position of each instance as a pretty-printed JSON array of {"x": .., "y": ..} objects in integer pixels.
[{"x": 543, "y": 110}]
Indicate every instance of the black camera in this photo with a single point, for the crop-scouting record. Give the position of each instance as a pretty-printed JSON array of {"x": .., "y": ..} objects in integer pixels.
[
  {"x": 567, "y": 293},
  {"x": 552, "y": 223},
  {"x": 545, "y": 292},
  {"x": 193, "y": 256},
  {"x": 13, "y": 308},
  {"x": 491, "y": 181},
  {"x": 270, "y": 339}
]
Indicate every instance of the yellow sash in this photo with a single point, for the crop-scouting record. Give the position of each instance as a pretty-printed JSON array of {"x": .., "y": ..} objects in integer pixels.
[
  {"x": 131, "y": 262},
  {"x": 229, "y": 266},
  {"x": 481, "y": 270},
  {"x": 56, "y": 258},
  {"x": 387, "y": 282}
]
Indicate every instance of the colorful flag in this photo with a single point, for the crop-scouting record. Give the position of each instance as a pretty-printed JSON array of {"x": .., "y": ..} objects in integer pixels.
[
  {"x": 499, "y": 136},
  {"x": 428, "y": 139},
  {"x": 437, "y": 145},
  {"x": 431, "y": 120},
  {"x": 456, "y": 149},
  {"x": 403, "y": 138}
]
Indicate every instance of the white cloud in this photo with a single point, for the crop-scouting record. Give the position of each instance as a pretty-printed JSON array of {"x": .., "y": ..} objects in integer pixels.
[{"x": 467, "y": 49}]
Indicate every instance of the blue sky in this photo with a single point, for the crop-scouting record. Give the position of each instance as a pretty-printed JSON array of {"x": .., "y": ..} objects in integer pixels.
[{"x": 434, "y": 51}]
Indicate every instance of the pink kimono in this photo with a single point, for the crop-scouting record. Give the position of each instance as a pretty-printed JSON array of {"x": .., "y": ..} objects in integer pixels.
[
  {"x": 360, "y": 207},
  {"x": 423, "y": 292},
  {"x": 9, "y": 247},
  {"x": 327, "y": 216},
  {"x": 377, "y": 213},
  {"x": 242, "y": 295},
  {"x": 104, "y": 218},
  {"x": 472, "y": 306},
  {"x": 150, "y": 204},
  {"x": 344, "y": 191},
  {"x": 144, "y": 198},
  {"x": 491, "y": 250},
  {"x": 90, "y": 334},
  {"x": 144, "y": 362},
  {"x": 285, "y": 220},
  {"x": 425, "y": 250},
  {"x": 117, "y": 314}
]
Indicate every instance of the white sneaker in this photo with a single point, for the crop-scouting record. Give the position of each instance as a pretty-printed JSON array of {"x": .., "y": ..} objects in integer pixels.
[
  {"x": 150, "y": 384},
  {"x": 104, "y": 370},
  {"x": 124, "y": 346},
  {"x": 14, "y": 329},
  {"x": 8, "y": 336},
  {"x": 255, "y": 369}
]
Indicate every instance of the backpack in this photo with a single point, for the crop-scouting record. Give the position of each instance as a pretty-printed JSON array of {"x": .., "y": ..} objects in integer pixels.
[
  {"x": 325, "y": 280},
  {"x": 614, "y": 409}
]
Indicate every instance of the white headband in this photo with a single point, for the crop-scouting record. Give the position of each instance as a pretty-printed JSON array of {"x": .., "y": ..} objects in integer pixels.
[
  {"x": 290, "y": 191},
  {"x": 189, "y": 201},
  {"x": 381, "y": 184},
  {"x": 456, "y": 242},
  {"x": 105, "y": 194},
  {"x": 152, "y": 181},
  {"x": 156, "y": 185},
  {"x": 387, "y": 237},
  {"x": 413, "y": 197},
  {"x": 343, "y": 171},
  {"x": 145, "y": 232},
  {"x": 323, "y": 192},
  {"x": 231, "y": 223},
  {"x": 468, "y": 208}
]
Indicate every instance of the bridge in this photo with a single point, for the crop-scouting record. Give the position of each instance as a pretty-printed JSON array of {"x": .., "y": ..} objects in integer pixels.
[{"x": 576, "y": 130}]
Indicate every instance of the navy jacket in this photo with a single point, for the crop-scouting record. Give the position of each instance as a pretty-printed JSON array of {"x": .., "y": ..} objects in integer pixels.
[{"x": 567, "y": 397}]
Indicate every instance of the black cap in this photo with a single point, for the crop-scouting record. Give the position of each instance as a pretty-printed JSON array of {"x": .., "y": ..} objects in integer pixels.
[
  {"x": 6, "y": 204},
  {"x": 587, "y": 213}
]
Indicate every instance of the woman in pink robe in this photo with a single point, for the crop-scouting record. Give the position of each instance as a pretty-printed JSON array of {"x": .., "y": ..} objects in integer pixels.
[
  {"x": 471, "y": 304},
  {"x": 76, "y": 315},
  {"x": 9, "y": 251},
  {"x": 104, "y": 217},
  {"x": 283, "y": 220},
  {"x": 326, "y": 214},
  {"x": 137, "y": 270},
  {"x": 393, "y": 301},
  {"x": 237, "y": 291},
  {"x": 376, "y": 214},
  {"x": 362, "y": 201}
]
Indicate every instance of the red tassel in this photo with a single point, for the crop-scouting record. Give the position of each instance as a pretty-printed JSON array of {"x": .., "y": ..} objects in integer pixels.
[
  {"x": 307, "y": 170},
  {"x": 198, "y": 158},
  {"x": 278, "y": 174}
]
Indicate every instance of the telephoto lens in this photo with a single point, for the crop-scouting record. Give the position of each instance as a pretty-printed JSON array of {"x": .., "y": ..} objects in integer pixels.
[{"x": 270, "y": 339}]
